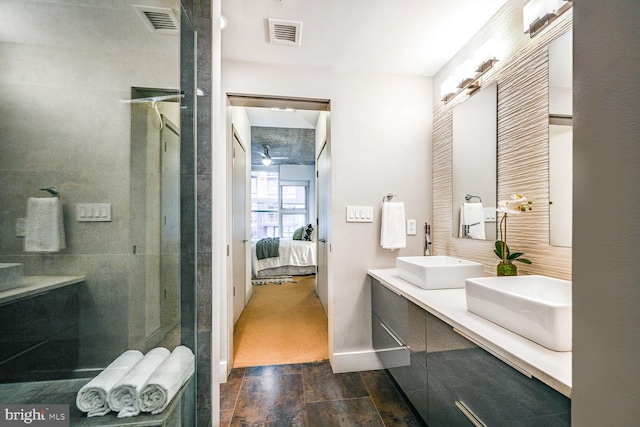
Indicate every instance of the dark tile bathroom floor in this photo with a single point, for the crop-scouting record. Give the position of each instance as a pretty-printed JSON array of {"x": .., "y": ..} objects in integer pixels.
[{"x": 310, "y": 394}]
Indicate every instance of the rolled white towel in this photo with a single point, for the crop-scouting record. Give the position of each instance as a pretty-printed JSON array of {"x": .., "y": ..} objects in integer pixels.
[
  {"x": 92, "y": 397},
  {"x": 166, "y": 381},
  {"x": 123, "y": 397}
]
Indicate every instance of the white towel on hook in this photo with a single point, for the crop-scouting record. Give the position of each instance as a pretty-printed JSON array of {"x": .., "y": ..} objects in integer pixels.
[
  {"x": 472, "y": 215},
  {"x": 44, "y": 231},
  {"x": 393, "y": 231}
]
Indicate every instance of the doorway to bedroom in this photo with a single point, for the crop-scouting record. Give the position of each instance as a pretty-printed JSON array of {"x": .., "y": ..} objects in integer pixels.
[{"x": 278, "y": 313}]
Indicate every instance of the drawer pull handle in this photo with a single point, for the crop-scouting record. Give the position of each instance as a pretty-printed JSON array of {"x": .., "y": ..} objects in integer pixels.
[
  {"x": 395, "y": 338},
  {"x": 494, "y": 354},
  {"x": 469, "y": 414}
]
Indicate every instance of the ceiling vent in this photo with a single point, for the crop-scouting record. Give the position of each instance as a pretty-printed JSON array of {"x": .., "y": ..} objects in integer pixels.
[
  {"x": 284, "y": 32},
  {"x": 159, "y": 19}
]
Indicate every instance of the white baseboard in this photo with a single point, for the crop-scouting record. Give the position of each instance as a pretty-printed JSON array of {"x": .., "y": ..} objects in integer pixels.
[
  {"x": 223, "y": 372},
  {"x": 354, "y": 361}
]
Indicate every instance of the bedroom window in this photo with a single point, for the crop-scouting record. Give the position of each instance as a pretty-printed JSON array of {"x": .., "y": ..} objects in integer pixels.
[
  {"x": 264, "y": 204},
  {"x": 293, "y": 206},
  {"x": 278, "y": 208}
]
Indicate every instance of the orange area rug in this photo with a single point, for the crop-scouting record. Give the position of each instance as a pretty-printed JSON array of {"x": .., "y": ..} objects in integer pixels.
[{"x": 282, "y": 324}]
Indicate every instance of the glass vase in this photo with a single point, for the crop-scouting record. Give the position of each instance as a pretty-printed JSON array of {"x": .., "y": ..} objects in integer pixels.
[{"x": 507, "y": 269}]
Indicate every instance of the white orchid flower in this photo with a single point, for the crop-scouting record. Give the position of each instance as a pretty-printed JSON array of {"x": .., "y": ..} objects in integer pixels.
[{"x": 518, "y": 203}]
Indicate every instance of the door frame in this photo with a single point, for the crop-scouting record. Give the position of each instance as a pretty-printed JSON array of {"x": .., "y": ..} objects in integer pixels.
[{"x": 246, "y": 100}]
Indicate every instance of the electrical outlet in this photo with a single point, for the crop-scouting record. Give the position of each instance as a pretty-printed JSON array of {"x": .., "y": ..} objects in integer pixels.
[
  {"x": 489, "y": 214},
  {"x": 411, "y": 227},
  {"x": 21, "y": 227}
]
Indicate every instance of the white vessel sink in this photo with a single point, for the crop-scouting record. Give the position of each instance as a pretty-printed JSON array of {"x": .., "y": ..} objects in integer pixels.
[
  {"x": 536, "y": 307},
  {"x": 10, "y": 276},
  {"x": 437, "y": 272}
]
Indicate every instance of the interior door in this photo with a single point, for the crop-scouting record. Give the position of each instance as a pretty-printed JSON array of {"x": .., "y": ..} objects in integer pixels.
[
  {"x": 239, "y": 232},
  {"x": 323, "y": 167}
]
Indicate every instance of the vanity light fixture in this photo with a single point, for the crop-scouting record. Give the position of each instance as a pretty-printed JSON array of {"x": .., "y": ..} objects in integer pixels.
[
  {"x": 538, "y": 14},
  {"x": 467, "y": 76}
]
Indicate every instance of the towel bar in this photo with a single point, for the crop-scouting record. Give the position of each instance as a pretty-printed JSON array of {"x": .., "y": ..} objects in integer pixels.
[
  {"x": 51, "y": 190},
  {"x": 469, "y": 197}
]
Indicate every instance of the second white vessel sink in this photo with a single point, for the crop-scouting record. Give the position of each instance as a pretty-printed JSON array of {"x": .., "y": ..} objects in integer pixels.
[
  {"x": 437, "y": 272},
  {"x": 536, "y": 307}
]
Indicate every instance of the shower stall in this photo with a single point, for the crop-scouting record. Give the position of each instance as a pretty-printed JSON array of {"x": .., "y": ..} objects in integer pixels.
[{"x": 99, "y": 102}]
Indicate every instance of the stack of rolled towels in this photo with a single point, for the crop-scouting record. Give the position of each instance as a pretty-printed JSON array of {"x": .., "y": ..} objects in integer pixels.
[{"x": 135, "y": 383}]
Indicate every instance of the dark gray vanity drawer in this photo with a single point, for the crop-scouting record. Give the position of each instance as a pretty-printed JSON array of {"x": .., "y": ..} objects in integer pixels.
[
  {"x": 405, "y": 319},
  {"x": 391, "y": 309},
  {"x": 443, "y": 411},
  {"x": 495, "y": 392},
  {"x": 390, "y": 351},
  {"x": 413, "y": 381}
]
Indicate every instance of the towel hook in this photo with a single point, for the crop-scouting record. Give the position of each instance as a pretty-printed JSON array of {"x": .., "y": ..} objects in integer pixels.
[
  {"x": 51, "y": 190},
  {"x": 469, "y": 197},
  {"x": 388, "y": 197}
]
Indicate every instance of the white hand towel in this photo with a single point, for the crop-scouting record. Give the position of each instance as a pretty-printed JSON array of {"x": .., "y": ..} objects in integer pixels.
[
  {"x": 166, "y": 381},
  {"x": 123, "y": 397},
  {"x": 473, "y": 216},
  {"x": 92, "y": 397},
  {"x": 44, "y": 225},
  {"x": 393, "y": 231}
]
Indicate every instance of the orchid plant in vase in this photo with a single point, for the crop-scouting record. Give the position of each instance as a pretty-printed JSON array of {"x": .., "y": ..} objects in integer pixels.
[{"x": 516, "y": 205}]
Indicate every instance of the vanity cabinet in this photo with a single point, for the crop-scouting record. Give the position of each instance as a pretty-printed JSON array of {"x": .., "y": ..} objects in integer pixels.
[
  {"x": 39, "y": 339},
  {"x": 451, "y": 381}
]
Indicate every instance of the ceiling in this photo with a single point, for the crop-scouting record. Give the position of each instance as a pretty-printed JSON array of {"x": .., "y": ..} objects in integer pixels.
[
  {"x": 414, "y": 37},
  {"x": 405, "y": 36}
]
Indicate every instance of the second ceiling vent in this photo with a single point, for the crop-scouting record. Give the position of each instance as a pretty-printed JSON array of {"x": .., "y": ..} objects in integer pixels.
[{"x": 284, "y": 32}]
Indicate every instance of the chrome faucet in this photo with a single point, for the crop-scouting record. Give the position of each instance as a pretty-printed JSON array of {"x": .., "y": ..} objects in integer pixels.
[{"x": 427, "y": 239}]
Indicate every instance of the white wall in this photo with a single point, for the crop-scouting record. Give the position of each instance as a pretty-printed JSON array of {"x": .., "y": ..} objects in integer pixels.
[
  {"x": 606, "y": 273},
  {"x": 381, "y": 143}
]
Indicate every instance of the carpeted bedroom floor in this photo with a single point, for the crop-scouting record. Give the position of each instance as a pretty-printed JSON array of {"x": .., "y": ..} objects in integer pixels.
[{"x": 282, "y": 324}]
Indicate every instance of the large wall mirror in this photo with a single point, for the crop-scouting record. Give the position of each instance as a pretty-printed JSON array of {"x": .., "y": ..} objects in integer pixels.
[
  {"x": 560, "y": 140},
  {"x": 474, "y": 166}
]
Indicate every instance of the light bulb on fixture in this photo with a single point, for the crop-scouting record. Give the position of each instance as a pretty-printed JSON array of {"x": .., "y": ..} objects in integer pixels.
[
  {"x": 266, "y": 158},
  {"x": 466, "y": 73},
  {"x": 538, "y": 14}
]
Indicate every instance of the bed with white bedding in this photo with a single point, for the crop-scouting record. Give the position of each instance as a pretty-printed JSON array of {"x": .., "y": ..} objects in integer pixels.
[{"x": 295, "y": 258}]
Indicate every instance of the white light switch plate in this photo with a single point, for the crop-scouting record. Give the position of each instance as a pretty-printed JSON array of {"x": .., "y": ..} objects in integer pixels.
[
  {"x": 93, "y": 212},
  {"x": 359, "y": 213}
]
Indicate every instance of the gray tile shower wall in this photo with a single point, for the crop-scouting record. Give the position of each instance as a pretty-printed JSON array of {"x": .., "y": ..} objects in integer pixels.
[{"x": 200, "y": 13}]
